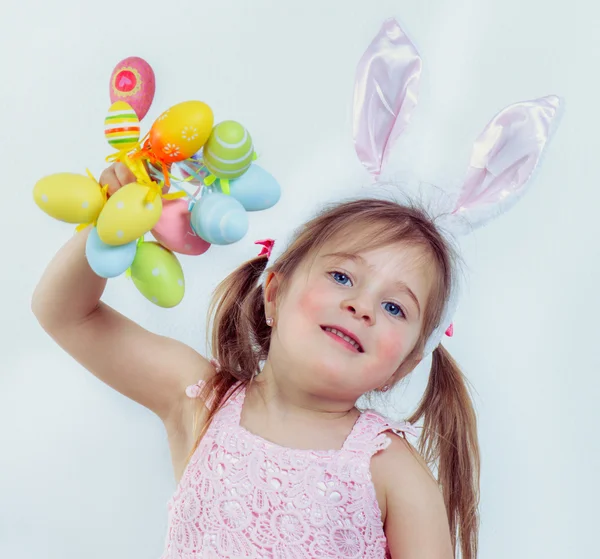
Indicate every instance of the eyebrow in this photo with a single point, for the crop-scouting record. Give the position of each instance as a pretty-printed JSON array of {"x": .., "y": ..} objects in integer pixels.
[{"x": 360, "y": 260}]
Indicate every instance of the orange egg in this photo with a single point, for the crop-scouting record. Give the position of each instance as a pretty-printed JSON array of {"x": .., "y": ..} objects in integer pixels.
[{"x": 181, "y": 131}]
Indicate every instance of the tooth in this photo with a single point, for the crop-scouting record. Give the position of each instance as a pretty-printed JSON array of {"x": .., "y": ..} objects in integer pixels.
[{"x": 343, "y": 336}]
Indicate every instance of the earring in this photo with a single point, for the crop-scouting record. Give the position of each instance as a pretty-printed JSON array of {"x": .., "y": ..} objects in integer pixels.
[
  {"x": 269, "y": 321},
  {"x": 384, "y": 388}
]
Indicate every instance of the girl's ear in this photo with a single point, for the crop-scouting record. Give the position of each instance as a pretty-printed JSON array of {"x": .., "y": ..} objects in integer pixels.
[{"x": 271, "y": 290}]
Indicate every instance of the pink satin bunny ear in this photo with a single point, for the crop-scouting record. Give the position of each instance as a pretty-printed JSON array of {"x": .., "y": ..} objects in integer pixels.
[
  {"x": 503, "y": 160},
  {"x": 385, "y": 94}
]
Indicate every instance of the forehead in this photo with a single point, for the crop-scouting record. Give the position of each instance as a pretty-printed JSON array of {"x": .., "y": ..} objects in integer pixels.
[
  {"x": 411, "y": 264},
  {"x": 396, "y": 254}
]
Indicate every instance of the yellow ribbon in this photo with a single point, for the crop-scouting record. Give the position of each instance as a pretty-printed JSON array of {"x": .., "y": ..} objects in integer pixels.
[
  {"x": 122, "y": 153},
  {"x": 134, "y": 157},
  {"x": 139, "y": 171}
]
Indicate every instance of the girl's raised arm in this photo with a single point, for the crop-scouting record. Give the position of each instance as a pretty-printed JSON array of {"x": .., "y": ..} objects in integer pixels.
[{"x": 153, "y": 370}]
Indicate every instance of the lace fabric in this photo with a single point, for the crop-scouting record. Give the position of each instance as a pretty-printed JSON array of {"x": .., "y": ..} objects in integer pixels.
[{"x": 244, "y": 496}]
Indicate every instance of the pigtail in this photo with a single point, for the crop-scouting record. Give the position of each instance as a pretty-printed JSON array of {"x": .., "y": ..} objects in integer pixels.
[
  {"x": 240, "y": 337},
  {"x": 449, "y": 438}
]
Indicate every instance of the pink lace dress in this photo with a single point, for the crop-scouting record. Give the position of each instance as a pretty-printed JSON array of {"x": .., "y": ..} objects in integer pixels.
[{"x": 243, "y": 496}]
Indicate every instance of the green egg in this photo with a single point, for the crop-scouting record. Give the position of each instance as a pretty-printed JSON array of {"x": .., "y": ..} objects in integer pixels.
[
  {"x": 229, "y": 150},
  {"x": 158, "y": 275}
]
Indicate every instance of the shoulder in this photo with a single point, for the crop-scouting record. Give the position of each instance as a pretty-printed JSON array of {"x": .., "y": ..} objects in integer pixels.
[
  {"x": 415, "y": 519},
  {"x": 401, "y": 473}
]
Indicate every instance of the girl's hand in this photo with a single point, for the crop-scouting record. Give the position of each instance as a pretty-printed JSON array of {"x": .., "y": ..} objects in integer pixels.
[{"x": 116, "y": 176}]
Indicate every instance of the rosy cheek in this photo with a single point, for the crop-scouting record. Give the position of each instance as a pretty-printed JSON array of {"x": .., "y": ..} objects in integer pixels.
[
  {"x": 312, "y": 301},
  {"x": 389, "y": 348}
]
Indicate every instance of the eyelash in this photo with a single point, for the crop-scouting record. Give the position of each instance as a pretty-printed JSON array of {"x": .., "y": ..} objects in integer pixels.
[{"x": 334, "y": 272}]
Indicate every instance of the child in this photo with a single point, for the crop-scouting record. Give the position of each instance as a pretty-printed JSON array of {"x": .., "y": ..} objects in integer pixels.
[{"x": 272, "y": 457}]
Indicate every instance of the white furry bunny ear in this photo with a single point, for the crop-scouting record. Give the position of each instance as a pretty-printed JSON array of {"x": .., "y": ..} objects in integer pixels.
[
  {"x": 385, "y": 94},
  {"x": 503, "y": 161}
]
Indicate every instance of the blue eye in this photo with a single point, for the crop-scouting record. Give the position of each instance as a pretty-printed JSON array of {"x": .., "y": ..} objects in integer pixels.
[
  {"x": 395, "y": 310},
  {"x": 340, "y": 277}
]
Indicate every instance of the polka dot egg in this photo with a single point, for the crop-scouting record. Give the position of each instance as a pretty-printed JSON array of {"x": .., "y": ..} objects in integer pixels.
[
  {"x": 108, "y": 261},
  {"x": 157, "y": 274},
  {"x": 229, "y": 151},
  {"x": 69, "y": 197},
  {"x": 128, "y": 215},
  {"x": 122, "y": 126}
]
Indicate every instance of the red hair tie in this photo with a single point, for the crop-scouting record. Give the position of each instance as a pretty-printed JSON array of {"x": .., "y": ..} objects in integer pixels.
[{"x": 267, "y": 247}]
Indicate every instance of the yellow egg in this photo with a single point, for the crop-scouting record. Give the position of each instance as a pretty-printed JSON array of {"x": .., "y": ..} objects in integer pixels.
[
  {"x": 181, "y": 131},
  {"x": 69, "y": 197},
  {"x": 127, "y": 215}
]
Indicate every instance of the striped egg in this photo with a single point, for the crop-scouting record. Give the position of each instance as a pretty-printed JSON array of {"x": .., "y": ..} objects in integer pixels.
[
  {"x": 121, "y": 126},
  {"x": 219, "y": 219},
  {"x": 228, "y": 152}
]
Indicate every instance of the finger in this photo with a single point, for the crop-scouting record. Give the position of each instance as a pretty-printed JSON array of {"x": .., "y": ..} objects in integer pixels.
[
  {"x": 124, "y": 174},
  {"x": 109, "y": 177}
]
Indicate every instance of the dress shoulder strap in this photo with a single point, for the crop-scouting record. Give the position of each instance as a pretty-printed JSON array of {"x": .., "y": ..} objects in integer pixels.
[
  {"x": 371, "y": 433},
  {"x": 195, "y": 390}
]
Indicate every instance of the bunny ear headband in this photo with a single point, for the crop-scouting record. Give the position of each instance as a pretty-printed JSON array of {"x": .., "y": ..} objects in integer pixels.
[{"x": 503, "y": 159}]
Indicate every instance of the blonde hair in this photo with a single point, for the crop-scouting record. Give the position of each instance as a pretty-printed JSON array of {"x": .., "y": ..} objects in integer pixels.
[{"x": 241, "y": 339}]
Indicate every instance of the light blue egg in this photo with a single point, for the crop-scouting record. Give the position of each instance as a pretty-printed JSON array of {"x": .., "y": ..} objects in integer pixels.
[
  {"x": 256, "y": 189},
  {"x": 219, "y": 219},
  {"x": 108, "y": 261}
]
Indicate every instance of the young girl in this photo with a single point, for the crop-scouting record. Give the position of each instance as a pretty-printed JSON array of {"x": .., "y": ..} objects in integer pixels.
[{"x": 272, "y": 457}]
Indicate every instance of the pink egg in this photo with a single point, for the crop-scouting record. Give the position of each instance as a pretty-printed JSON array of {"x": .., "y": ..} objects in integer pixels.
[
  {"x": 133, "y": 81},
  {"x": 174, "y": 231}
]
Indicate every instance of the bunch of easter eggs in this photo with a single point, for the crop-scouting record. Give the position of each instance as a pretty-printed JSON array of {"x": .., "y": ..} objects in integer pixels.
[{"x": 183, "y": 150}]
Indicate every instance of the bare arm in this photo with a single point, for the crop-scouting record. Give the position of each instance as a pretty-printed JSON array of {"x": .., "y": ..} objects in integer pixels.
[
  {"x": 150, "y": 369},
  {"x": 416, "y": 523}
]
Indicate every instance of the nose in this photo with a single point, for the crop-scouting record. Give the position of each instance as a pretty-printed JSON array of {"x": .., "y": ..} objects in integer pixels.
[{"x": 360, "y": 308}]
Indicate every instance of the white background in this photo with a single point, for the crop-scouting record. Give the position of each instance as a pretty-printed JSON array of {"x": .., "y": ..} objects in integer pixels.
[{"x": 85, "y": 472}]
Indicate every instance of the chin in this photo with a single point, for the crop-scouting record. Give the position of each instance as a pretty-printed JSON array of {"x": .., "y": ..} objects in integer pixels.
[{"x": 329, "y": 373}]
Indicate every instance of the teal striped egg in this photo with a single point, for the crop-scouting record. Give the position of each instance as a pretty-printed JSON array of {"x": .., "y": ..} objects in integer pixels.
[
  {"x": 228, "y": 151},
  {"x": 219, "y": 219}
]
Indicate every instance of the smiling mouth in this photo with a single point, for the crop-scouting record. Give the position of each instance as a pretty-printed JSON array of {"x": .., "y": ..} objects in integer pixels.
[{"x": 350, "y": 342}]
